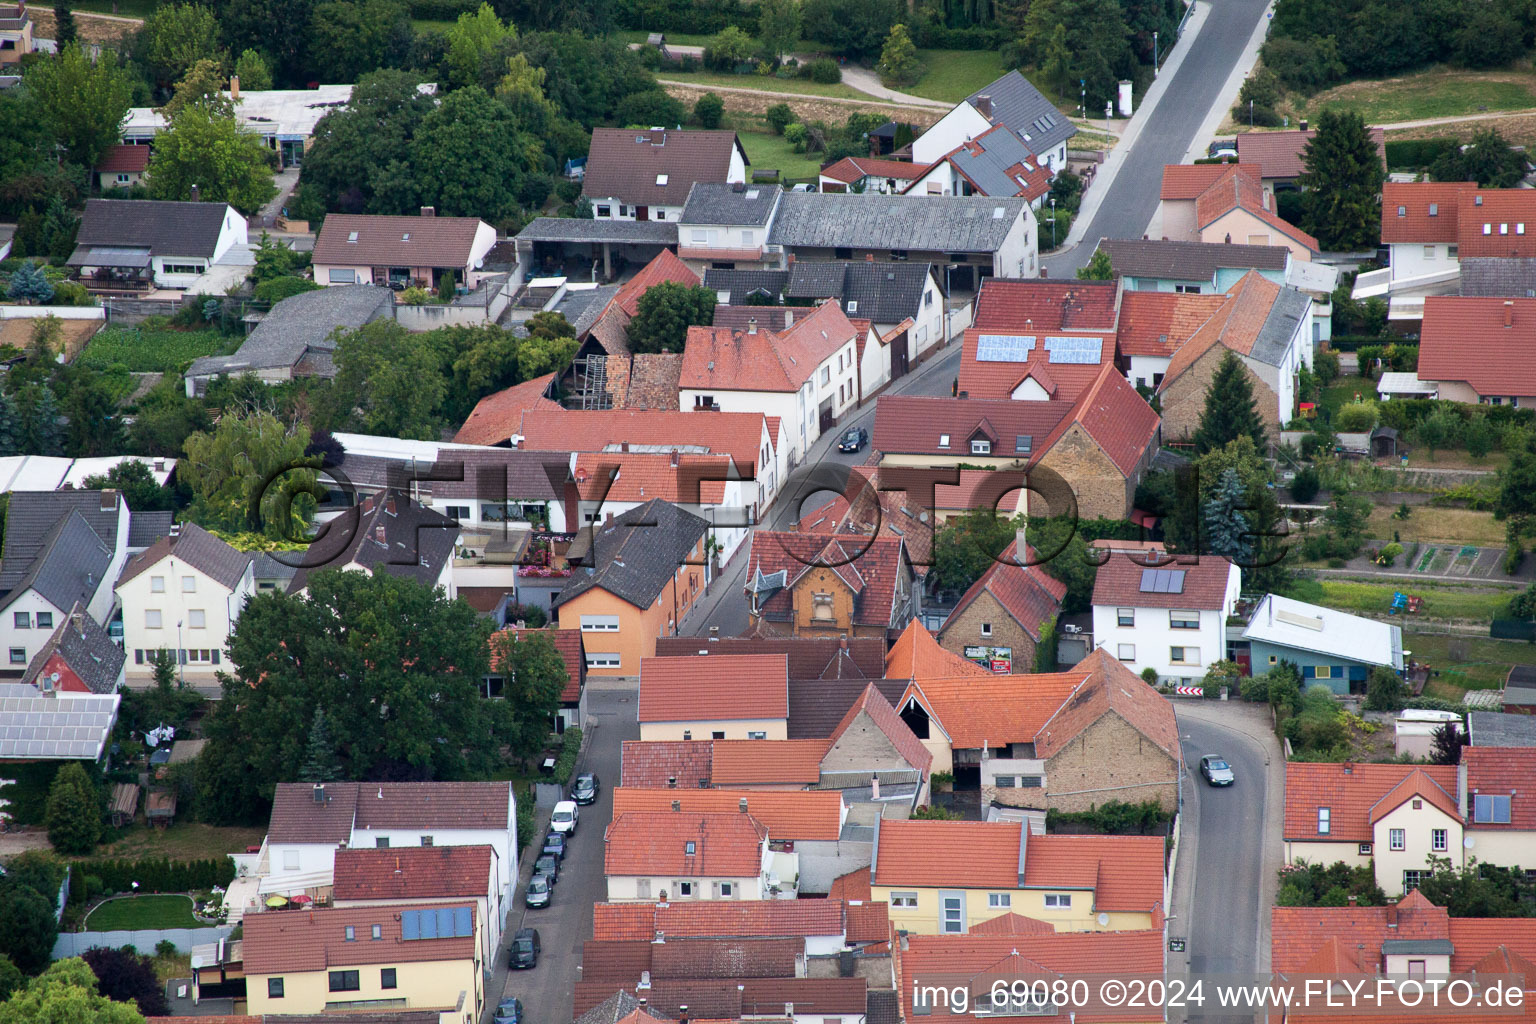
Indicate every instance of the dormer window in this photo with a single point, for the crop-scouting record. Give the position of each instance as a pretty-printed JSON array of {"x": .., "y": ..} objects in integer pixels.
[{"x": 981, "y": 447}]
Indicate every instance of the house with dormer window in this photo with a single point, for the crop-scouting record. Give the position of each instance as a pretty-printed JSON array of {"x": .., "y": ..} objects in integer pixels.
[{"x": 682, "y": 855}]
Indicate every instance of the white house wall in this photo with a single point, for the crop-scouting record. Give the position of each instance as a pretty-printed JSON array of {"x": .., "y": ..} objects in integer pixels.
[{"x": 961, "y": 124}]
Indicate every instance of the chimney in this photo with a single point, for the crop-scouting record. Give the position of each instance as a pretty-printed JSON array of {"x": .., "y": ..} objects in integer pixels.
[
  {"x": 742, "y": 804},
  {"x": 682, "y": 1013},
  {"x": 671, "y": 781},
  {"x": 789, "y": 319},
  {"x": 984, "y": 106},
  {"x": 429, "y": 211},
  {"x": 674, "y": 458},
  {"x": 1509, "y": 312},
  {"x": 108, "y": 500},
  {"x": 1392, "y": 915},
  {"x": 175, "y": 531},
  {"x": 1349, "y": 768},
  {"x": 751, "y": 325},
  {"x": 194, "y": 193},
  {"x": 874, "y": 787},
  {"x": 645, "y": 980},
  {"x": 234, "y": 88},
  {"x": 319, "y": 792},
  {"x": 1354, "y": 900},
  {"x": 1266, "y": 200},
  {"x": 1303, "y": 124},
  {"x": 789, "y": 258},
  {"x": 677, "y": 805}
]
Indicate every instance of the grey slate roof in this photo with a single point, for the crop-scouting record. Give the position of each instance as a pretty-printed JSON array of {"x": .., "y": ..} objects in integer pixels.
[
  {"x": 1280, "y": 325},
  {"x": 882, "y": 292},
  {"x": 741, "y": 283},
  {"x": 199, "y": 549},
  {"x": 165, "y": 228},
  {"x": 572, "y": 229},
  {"x": 523, "y": 474},
  {"x": 1495, "y": 729},
  {"x": 615, "y": 1008},
  {"x": 719, "y": 203},
  {"x": 926, "y": 223},
  {"x": 1187, "y": 261},
  {"x": 1511, "y": 277},
  {"x": 265, "y": 567},
  {"x": 144, "y": 528},
  {"x": 638, "y": 552},
  {"x": 69, "y": 567},
  {"x": 32, "y": 516},
  {"x": 34, "y": 727},
  {"x": 1025, "y": 110},
  {"x": 417, "y": 542},
  {"x": 988, "y": 167},
  {"x": 86, "y": 649},
  {"x": 299, "y": 325}
]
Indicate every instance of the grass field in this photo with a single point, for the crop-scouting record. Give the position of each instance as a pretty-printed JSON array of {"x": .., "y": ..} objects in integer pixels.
[
  {"x": 133, "y": 912},
  {"x": 151, "y": 351},
  {"x": 765, "y": 149},
  {"x": 953, "y": 75},
  {"x": 1479, "y": 662},
  {"x": 187, "y": 841},
  {"x": 1441, "y": 600},
  {"x": 1438, "y": 92},
  {"x": 764, "y": 83},
  {"x": 1438, "y": 526}
]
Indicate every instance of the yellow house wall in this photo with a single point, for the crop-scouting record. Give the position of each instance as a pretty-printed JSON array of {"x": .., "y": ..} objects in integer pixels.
[
  {"x": 1325, "y": 853},
  {"x": 1417, "y": 826},
  {"x": 926, "y": 918},
  {"x": 435, "y": 983},
  {"x": 703, "y": 729},
  {"x": 1508, "y": 849}
]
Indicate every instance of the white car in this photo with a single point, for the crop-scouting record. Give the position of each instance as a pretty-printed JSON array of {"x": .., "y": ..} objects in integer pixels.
[{"x": 564, "y": 818}]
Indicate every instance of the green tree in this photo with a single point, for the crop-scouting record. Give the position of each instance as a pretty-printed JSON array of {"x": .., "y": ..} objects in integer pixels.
[
  {"x": 728, "y": 48},
  {"x": 1097, "y": 44},
  {"x": 42, "y": 871},
  {"x": 898, "y": 58},
  {"x": 277, "y": 28},
  {"x": 535, "y": 676},
  {"x": 1226, "y": 527},
  {"x": 1487, "y": 159},
  {"x": 276, "y": 258},
  {"x": 779, "y": 117},
  {"x": 29, "y": 284},
  {"x": 1478, "y": 890},
  {"x": 74, "y": 811},
  {"x": 664, "y": 314},
  {"x": 474, "y": 35},
  {"x": 1341, "y": 182},
  {"x": 9, "y": 425},
  {"x": 166, "y": 417},
  {"x": 66, "y": 991},
  {"x": 387, "y": 382},
  {"x": 538, "y": 356},
  {"x": 252, "y": 70},
  {"x": 708, "y": 110},
  {"x": 855, "y": 29},
  {"x": 649, "y": 107},
  {"x": 11, "y": 978},
  {"x": 202, "y": 86},
  {"x": 1385, "y": 691},
  {"x": 358, "y": 156},
  {"x": 1448, "y": 740},
  {"x": 1477, "y": 435},
  {"x": 1305, "y": 484},
  {"x": 243, "y": 461},
  {"x": 1063, "y": 553},
  {"x": 175, "y": 37},
  {"x": 1056, "y": 59},
  {"x": 38, "y": 414},
  {"x": 59, "y": 229},
  {"x": 478, "y": 153},
  {"x": 353, "y": 37},
  {"x": 1516, "y": 501},
  {"x": 320, "y": 763},
  {"x": 778, "y": 26},
  {"x": 64, "y": 30},
  {"x": 91, "y": 408},
  {"x": 396, "y": 665},
  {"x": 967, "y": 546},
  {"x": 227, "y": 164},
  {"x": 1229, "y": 411},
  {"x": 1098, "y": 268}
]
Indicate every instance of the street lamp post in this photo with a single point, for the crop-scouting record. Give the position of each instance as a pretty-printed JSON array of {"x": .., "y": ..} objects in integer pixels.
[
  {"x": 1053, "y": 222},
  {"x": 1083, "y": 85},
  {"x": 181, "y": 659},
  {"x": 1154, "y": 54},
  {"x": 1250, "y": 115}
]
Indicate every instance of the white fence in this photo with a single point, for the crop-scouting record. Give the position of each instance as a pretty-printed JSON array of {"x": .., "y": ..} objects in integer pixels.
[
  {"x": 144, "y": 940},
  {"x": 62, "y": 312}
]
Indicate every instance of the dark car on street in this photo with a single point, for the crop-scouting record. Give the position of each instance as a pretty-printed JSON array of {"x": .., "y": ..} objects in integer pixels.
[
  {"x": 539, "y": 892},
  {"x": 853, "y": 439},
  {"x": 548, "y": 864},
  {"x": 1217, "y": 771},
  {"x": 585, "y": 789},
  {"x": 525, "y": 949},
  {"x": 508, "y": 1011},
  {"x": 555, "y": 843}
]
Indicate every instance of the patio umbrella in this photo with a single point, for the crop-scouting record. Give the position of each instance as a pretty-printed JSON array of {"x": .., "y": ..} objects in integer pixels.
[
  {"x": 277, "y": 901},
  {"x": 301, "y": 900}
]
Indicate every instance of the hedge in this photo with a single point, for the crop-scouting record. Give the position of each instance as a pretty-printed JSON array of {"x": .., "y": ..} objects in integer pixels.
[
  {"x": 156, "y": 874},
  {"x": 929, "y": 36},
  {"x": 1114, "y": 817},
  {"x": 1352, "y": 342},
  {"x": 565, "y": 766},
  {"x": 1416, "y": 153}
]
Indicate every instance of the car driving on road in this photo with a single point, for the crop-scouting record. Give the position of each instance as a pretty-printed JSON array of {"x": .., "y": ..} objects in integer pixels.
[
  {"x": 853, "y": 439},
  {"x": 1217, "y": 771}
]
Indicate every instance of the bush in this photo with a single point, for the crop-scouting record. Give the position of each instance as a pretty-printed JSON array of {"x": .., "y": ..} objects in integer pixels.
[
  {"x": 156, "y": 874},
  {"x": 74, "y": 811},
  {"x": 649, "y": 108},
  {"x": 823, "y": 70},
  {"x": 1149, "y": 676},
  {"x": 570, "y": 749},
  {"x": 1386, "y": 691},
  {"x": 1304, "y": 485},
  {"x": 709, "y": 110},
  {"x": 525, "y": 820},
  {"x": 1356, "y": 416},
  {"x": 1413, "y": 154},
  {"x": 1389, "y": 554},
  {"x": 1326, "y": 365},
  {"x": 1115, "y": 818},
  {"x": 796, "y": 135},
  {"x": 779, "y": 116},
  {"x": 280, "y": 288}
]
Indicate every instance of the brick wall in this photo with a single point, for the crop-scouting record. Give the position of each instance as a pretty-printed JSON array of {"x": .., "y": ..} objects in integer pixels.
[
  {"x": 1183, "y": 400},
  {"x": 965, "y": 629},
  {"x": 863, "y": 747},
  {"x": 1101, "y": 490},
  {"x": 1110, "y": 760}
]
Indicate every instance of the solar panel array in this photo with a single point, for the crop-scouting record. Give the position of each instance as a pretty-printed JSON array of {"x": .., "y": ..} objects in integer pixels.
[
  {"x": 441, "y": 923},
  {"x": 1162, "y": 581},
  {"x": 72, "y": 728},
  {"x": 1004, "y": 348},
  {"x": 1082, "y": 351}
]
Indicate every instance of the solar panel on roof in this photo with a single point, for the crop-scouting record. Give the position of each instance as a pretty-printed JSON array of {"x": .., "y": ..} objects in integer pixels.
[
  {"x": 1080, "y": 351},
  {"x": 1004, "y": 348}
]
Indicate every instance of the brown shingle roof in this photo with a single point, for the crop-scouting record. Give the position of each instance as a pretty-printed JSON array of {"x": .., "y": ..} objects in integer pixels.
[
  {"x": 725, "y": 958},
  {"x": 313, "y": 940},
  {"x": 1240, "y": 189},
  {"x": 994, "y": 710},
  {"x": 1187, "y": 181},
  {"x": 389, "y": 241},
  {"x": 297, "y": 818},
  {"x": 715, "y": 686},
  {"x": 1157, "y": 323},
  {"x": 1026, "y": 592},
  {"x": 810, "y": 657},
  {"x": 626, "y": 164},
  {"x": 870, "y": 567},
  {"x": 413, "y": 872},
  {"x": 854, "y": 168},
  {"x": 1282, "y": 154},
  {"x": 124, "y": 158},
  {"x": 1297, "y": 933},
  {"x": 1118, "y": 584},
  {"x": 657, "y": 843},
  {"x": 1496, "y": 222},
  {"x": 1126, "y": 872},
  {"x": 726, "y": 360},
  {"x": 817, "y": 706},
  {"x": 1013, "y": 924},
  {"x": 737, "y": 434},
  {"x": 199, "y": 549},
  {"x": 1111, "y": 687},
  {"x": 1115, "y": 417}
]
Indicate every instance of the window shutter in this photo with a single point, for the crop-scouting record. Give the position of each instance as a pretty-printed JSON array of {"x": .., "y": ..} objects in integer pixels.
[
  {"x": 715, "y": 890},
  {"x": 1308, "y": 672}
]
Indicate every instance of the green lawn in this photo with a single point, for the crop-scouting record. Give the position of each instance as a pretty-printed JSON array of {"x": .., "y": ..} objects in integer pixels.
[
  {"x": 151, "y": 351},
  {"x": 1441, "y": 601},
  {"x": 766, "y": 83},
  {"x": 952, "y": 75},
  {"x": 183, "y": 841},
  {"x": 1481, "y": 664},
  {"x": 133, "y": 912},
  {"x": 766, "y": 150},
  {"x": 1438, "y": 92}
]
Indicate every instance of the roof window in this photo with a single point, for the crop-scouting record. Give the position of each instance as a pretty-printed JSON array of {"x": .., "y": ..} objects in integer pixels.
[
  {"x": 1402, "y": 211},
  {"x": 352, "y": 236},
  {"x": 661, "y": 179},
  {"x": 405, "y": 237},
  {"x": 1434, "y": 209},
  {"x": 1487, "y": 229},
  {"x": 1503, "y": 229}
]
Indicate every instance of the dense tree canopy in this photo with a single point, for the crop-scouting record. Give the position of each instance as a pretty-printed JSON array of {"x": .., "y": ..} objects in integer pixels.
[
  {"x": 664, "y": 314},
  {"x": 225, "y": 162},
  {"x": 1342, "y": 180},
  {"x": 66, "y": 991},
  {"x": 175, "y": 37},
  {"x": 853, "y": 28},
  {"x": 248, "y": 461},
  {"x": 128, "y": 977},
  {"x": 396, "y": 666},
  {"x": 350, "y": 38},
  {"x": 1081, "y": 40},
  {"x": 83, "y": 100}
]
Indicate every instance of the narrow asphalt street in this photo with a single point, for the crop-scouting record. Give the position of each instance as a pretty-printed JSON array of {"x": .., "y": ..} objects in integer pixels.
[{"x": 547, "y": 989}]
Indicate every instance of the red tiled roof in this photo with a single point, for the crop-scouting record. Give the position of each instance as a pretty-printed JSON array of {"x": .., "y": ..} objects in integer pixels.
[
  {"x": 1405, "y": 210},
  {"x": 1026, "y": 592},
  {"x": 1111, "y": 687},
  {"x": 1010, "y": 955},
  {"x": 853, "y": 168},
  {"x": 1240, "y": 189},
  {"x": 1505, "y": 939},
  {"x": 1350, "y": 792},
  {"x": 866, "y": 510},
  {"x": 1415, "y": 785},
  {"x": 650, "y": 764},
  {"x": 988, "y": 379},
  {"x": 852, "y": 886},
  {"x": 885, "y": 718},
  {"x": 725, "y": 360},
  {"x": 496, "y": 418},
  {"x": 917, "y": 655},
  {"x": 1118, "y": 584},
  {"x": 640, "y": 476},
  {"x": 1157, "y": 323},
  {"x": 1235, "y": 324},
  {"x": 390, "y": 241},
  {"x": 1012, "y": 924},
  {"x": 1053, "y": 306},
  {"x": 737, "y": 434},
  {"x": 722, "y": 958},
  {"x": 627, "y": 164},
  {"x": 616, "y": 963},
  {"x": 772, "y": 318},
  {"x": 869, "y": 922},
  {"x": 1281, "y": 154},
  {"x": 572, "y": 652},
  {"x": 133, "y": 159},
  {"x": 413, "y": 872},
  {"x": 767, "y": 762},
  {"x": 917, "y": 852},
  {"x": 976, "y": 711},
  {"x": 1463, "y": 338},
  {"x": 1297, "y": 933},
  {"x": 1504, "y": 770},
  {"x": 916, "y": 425},
  {"x": 868, "y": 565},
  {"x": 1496, "y": 222},
  {"x": 313, "y": 940},
  {"x": 664, "y": 267},
  {"x": 761, "y": 918},
  {"x": 1115, "y": 417},
  {"x": 809, "y": 814},
  {"x": 714, "y": 687},
  {"x": 1126, "y": 872},
  {"x": 656, "y": 843},
  {"x": 810, "y": 657},
  {"x": 1188, "y": 181}
]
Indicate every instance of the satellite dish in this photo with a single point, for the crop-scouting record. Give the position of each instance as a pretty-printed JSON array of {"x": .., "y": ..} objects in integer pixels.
[
  {"x": 1467, "y": 843},
  {"x": 1103, "y": 920}
]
